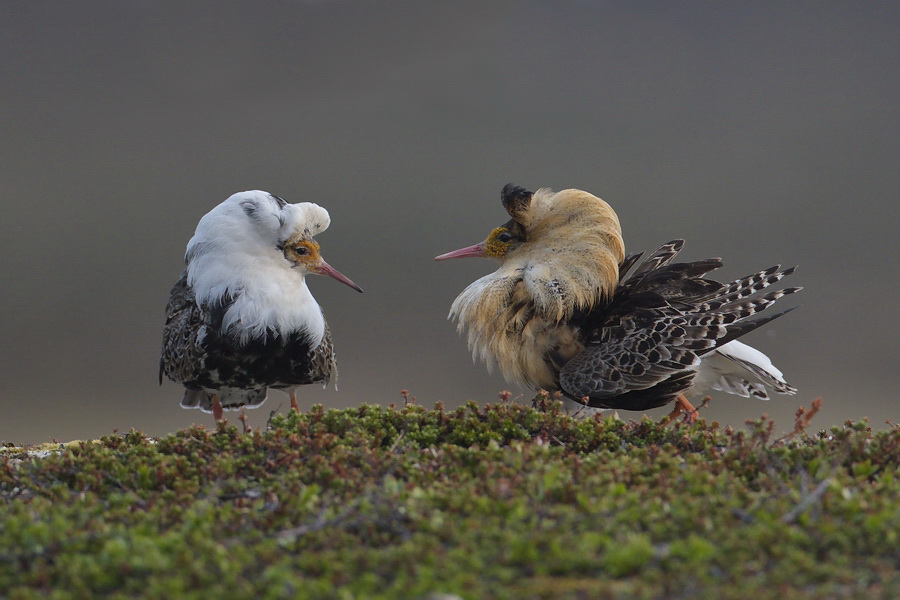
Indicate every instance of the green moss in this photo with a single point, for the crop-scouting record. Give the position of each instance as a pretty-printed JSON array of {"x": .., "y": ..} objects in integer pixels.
[
  {"x": 498, "y": 501},
  {"x": 627, "y": 556}
]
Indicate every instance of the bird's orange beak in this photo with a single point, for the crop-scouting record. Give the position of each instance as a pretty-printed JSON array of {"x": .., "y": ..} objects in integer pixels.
[
  {"x": 325, "y": 269},
  {"x": 477, "y": 251}
]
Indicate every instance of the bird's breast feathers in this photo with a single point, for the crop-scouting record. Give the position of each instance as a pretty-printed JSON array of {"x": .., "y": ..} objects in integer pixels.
[
  {"x": 518, "y": 322},
  {"x": 259, "y": 312},
  {"x": 261, "y": 303}
]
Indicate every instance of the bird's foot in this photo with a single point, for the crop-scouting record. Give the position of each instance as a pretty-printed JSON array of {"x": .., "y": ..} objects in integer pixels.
[
  {"x": 682, "y": 406},
  {"x": 546, "y": 401},
  {"x": 243, "y": 420},
  {"x": 294, "y": 406},
  {"x": 218, "y": 413}
]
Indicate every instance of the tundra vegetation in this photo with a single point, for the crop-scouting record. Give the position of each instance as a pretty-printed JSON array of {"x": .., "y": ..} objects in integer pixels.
[{"x": 494, "y": 501}]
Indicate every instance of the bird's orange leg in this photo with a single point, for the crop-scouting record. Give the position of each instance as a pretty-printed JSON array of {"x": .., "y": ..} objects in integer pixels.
[
  {"x": 683, "y": 406},
  {"x": 218, "y": 413},
  {"x": 294, "y": 406}
]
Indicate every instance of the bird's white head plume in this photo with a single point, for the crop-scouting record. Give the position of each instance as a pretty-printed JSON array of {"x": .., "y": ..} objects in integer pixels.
[{"x": 243, "y": 250}]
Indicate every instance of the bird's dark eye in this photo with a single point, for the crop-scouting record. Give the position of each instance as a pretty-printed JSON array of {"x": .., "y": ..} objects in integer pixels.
[
  {"x": 301, "y": 250},
  {"x": 504, "y": 237}
]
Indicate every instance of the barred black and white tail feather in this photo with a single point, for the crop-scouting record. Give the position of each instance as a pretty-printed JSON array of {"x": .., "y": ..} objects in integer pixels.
[
  {"x": 748, "y": 286},
  {"x": 629, "y": 262},
  {"x": 731, "y": 367},
  {"x": 658, "y": 258},
  {"x": 668, "y": 318}
]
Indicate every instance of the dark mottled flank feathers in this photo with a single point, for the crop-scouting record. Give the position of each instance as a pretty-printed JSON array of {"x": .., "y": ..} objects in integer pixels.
[
  {"x": 181, "y": 351},
  {"x": 642, "y": 348}
]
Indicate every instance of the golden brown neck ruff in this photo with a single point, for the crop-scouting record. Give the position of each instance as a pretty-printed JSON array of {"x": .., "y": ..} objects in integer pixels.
[{"x": 519, "y": 315}]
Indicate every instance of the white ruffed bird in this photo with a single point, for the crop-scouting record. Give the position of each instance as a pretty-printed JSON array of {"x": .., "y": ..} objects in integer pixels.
[{"x": 241, "y": 318}]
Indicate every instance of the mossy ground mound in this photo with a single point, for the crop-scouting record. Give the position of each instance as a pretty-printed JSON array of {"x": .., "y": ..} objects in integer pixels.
[{"x": 494, "y": 502}]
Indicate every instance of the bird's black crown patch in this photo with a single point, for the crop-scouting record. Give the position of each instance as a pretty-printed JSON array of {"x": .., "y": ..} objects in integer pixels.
[{"x": 516, "y": 200}]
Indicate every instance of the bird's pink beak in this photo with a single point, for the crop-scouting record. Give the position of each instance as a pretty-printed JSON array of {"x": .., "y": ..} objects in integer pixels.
[
  {"x": 477, "y": 251},
  {"x": 325, "y": 269}
]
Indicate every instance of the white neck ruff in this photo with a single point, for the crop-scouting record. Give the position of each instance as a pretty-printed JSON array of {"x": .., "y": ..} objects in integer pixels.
[{"x": 270, "y": 297}]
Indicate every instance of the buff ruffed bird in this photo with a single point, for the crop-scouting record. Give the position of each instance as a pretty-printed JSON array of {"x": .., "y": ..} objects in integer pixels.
[
  {"x": 567, "y": 310},
  {"x": 241, "y": 318}
]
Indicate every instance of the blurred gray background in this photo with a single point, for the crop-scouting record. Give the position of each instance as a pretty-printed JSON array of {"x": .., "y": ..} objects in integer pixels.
[{"x": 763, "y": 132}]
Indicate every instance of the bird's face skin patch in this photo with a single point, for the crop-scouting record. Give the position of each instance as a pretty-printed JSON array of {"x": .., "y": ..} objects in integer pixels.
[
  {"x": 500, "y": 241},
  {"x": 303, "y": 253}
]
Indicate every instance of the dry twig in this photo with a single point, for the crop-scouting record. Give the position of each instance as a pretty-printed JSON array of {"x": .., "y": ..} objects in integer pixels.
[{"x": 802, "y": 419}]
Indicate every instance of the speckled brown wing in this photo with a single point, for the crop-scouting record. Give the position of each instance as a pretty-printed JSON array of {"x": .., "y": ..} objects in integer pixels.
[
  {"x": 639, "y": 361},
  {"x": 181, "y": 352},
  {"x": 642, "y": 350}
]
